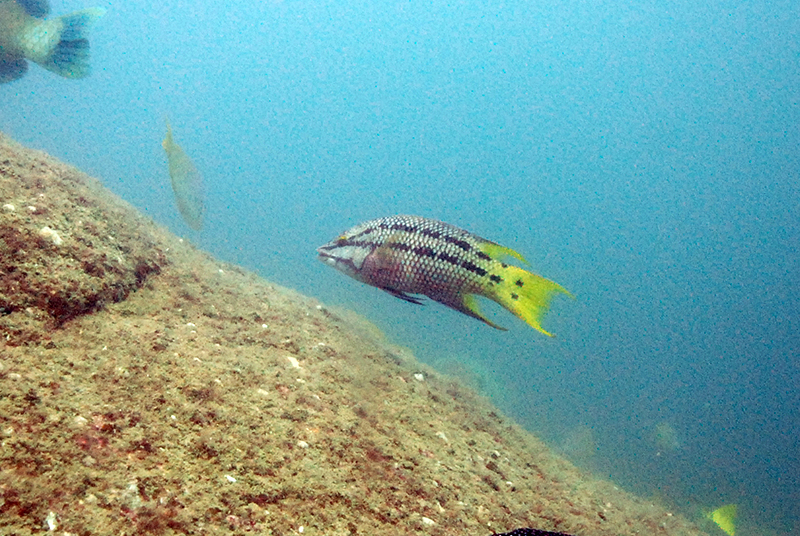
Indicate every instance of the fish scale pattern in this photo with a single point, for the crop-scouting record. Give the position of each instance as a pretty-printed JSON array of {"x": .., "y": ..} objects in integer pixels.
[{"x": 421, "y": 256}]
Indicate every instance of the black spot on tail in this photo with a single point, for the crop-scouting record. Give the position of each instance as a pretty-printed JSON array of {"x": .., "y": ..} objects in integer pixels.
[
  {"x": 496, "y": 278},
  {"x": 514, "y": 296},
  {"x": 519, "y": 282}
]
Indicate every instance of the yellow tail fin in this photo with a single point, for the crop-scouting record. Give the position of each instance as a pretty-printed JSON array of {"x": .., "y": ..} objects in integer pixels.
[{"x": 527, "y": 295}]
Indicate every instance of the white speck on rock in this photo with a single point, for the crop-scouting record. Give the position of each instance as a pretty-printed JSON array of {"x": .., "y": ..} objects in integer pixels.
[
  {"x": 131, "y": 495},
  {"x": 419, "y": 377},
  {"x": 293, "y": 360},
  {"x": 8, "y": 207},
  {"x": 49, "y": 234},
  {"x": 442, "y": 436},
  {"x": 50, "y": 521},
  {"x": 230, "y": 478},
  {"x": 428, "y": 521},
  {"x": 302, "y": 444}
]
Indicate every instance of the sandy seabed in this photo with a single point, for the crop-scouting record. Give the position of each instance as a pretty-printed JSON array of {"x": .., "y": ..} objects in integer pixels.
[{"x": 147, "y": 388}]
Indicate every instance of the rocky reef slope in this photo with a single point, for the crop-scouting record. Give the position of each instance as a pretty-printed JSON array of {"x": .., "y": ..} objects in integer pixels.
[{"x": 146, "y": 388}]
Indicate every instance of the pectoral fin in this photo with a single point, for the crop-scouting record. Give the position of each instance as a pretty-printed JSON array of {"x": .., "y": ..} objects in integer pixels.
[{"x": 403, "y": 296}]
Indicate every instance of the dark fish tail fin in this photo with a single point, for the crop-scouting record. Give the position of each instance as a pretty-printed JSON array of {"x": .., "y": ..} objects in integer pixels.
[
  {"x": 61, "y": 44},
  {"x": 527, "y": 295}
]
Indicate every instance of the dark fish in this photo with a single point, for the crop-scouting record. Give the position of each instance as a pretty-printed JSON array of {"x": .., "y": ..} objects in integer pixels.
[
  {"x": 59, "y": 45},
  {"x": 406, "y": 255}
]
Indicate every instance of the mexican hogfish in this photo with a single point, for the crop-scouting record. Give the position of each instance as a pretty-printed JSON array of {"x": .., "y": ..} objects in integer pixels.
[{"x": 406, "y": 255}]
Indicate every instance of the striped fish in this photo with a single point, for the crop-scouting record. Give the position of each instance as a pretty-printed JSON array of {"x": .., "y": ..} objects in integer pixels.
[{"x": 406, "y": 255}]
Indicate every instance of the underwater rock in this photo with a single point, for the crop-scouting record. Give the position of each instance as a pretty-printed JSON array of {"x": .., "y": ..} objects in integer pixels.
[
  {"x": 531, "y": 532},
  {"x": 64, "y": 249}
]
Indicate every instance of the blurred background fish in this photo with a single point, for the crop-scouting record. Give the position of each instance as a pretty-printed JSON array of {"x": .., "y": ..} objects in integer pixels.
[
  {"x": 666, "y": 438},
  {"x": 725, "y": 518},
  {"x": 59, "y": 45},
  {"x": 187, "y": 183}
]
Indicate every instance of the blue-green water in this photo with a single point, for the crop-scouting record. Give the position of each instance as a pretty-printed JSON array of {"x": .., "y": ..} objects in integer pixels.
[{"x": 644, "y": 155}]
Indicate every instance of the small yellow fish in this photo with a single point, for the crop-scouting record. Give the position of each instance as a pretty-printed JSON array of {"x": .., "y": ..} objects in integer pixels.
[
  {"x": 187, "y": 183},
  {"x": 405, "y": 255},
  {"x": 725, "y": 518},
  {"x": 59, "y": 45}
]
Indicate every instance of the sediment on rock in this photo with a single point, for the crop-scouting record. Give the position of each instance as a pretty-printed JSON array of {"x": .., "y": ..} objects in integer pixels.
[{"x": 65, "y": 247}]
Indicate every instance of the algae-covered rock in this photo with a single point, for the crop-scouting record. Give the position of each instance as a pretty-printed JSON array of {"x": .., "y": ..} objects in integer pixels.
[{"x": 64, "y": 249}]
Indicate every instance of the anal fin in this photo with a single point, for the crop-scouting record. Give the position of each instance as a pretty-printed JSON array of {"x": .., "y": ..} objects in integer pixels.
[{"x": 468, "y": 304}]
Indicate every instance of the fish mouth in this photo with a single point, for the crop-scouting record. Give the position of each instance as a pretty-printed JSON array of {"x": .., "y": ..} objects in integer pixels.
[
  {"x": 326, "y": 257},
  {"x": 334, "y": 261}
]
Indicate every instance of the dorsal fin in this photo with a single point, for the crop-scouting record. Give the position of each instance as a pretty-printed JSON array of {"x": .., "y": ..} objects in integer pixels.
[{"x": 498, "y": 252}]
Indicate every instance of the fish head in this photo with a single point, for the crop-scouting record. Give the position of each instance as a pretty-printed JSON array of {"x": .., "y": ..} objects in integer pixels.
[{"x": 345, "y": 255}]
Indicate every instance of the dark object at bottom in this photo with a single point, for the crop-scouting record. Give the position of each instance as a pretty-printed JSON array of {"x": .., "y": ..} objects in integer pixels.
[{"x": 531, "y": 532}]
